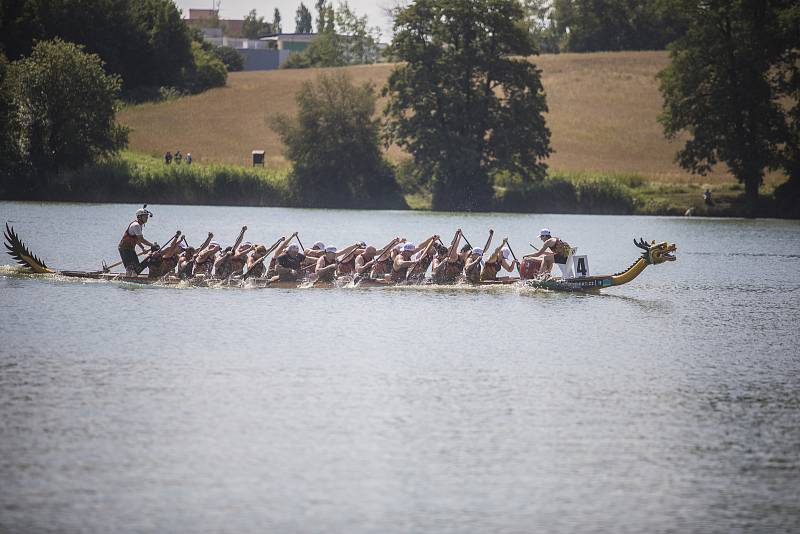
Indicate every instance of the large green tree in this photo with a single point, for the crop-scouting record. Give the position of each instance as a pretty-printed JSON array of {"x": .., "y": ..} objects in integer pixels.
[
  {"x": 302, "y": 20},
  {"x": 724, "y": 88},
  {"x": 62, "y": 110},
  {"x": 334, "y": 146},
  {"x": 144, "y": 41},
  {"x": 466, "y": 101},
  {"x": 592, "y": 25}
]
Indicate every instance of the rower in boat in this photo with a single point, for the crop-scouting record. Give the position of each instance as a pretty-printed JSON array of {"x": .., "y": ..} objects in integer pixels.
[
  {"x": 496, "y": 262},
  {"x": 239, "y": 259},
  {"x": 204, "y": 261},
  {"x": 472, "y": 266},
  {"x": 384, "y": 261},
  {"x": 326, "y": 265},
  {"x": 162, "y": 262},
  {"x": 279, "y": 251},
  {"x": 186, "y": 263},
  {"x": 316, "y": 251},
  {"x": 289, "y": 264},
  {"x": 347, "y": 262},
  {"x": 255, "y": 266},
  {"x": 363, "y": 262},
  {"x": 133, "y": 236},
  {"x": 558, "y": 252},
  {"x": 223, "y": 265},
  {"x": 448, "y": 269},
  {"x": 423, "y": 259},
  {"x": 402, "y": 262}
]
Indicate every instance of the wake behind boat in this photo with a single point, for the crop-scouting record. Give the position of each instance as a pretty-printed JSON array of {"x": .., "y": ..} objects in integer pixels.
[{"x": 397, "y": 264}]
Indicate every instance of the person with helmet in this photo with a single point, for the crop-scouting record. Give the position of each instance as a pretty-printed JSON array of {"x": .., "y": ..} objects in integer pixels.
[
  {"x": 133, "y": 236},
  {"x": 553, "y": 250}
]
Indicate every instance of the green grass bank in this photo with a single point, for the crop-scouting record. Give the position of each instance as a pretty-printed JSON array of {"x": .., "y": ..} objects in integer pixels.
[{"x": 136, "y": 178}]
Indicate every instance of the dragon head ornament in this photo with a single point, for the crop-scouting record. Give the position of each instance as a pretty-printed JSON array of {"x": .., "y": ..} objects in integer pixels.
[{"x": 655, "y": 253}]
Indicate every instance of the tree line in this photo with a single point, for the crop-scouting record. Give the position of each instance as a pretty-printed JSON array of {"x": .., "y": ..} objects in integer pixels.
[
  {"x": 144, "y": 42},
  {"x": 468, "y": 105}
]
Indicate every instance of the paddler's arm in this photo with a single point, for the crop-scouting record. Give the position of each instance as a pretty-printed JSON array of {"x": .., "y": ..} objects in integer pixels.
[
  {"x": 283, "y": 245},
  {"x": 238, "y": 255},
  {"x": 346, "y": 251},
  {"x": 382, "y": 252},
  {"x": 239, "y": 239},
  {"x": 321, "y": 267},
  {"x": 364, "y": 266},
  {"x": 206, "y": 242},
  {"x": 452, "y": 253},
  {"x": 489, "y": 241},
  {"x": 547, "y": 244}
]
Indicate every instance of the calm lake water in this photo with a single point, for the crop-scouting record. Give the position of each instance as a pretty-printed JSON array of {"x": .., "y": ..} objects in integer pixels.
[{"x": 669, "y": 404}]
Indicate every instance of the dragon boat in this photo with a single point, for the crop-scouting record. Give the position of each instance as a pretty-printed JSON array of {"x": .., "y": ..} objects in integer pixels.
[{"x": 653, "y": 254}]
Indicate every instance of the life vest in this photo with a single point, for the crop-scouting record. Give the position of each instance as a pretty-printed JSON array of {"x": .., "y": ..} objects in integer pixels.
[{"x": 128, "y": 240}]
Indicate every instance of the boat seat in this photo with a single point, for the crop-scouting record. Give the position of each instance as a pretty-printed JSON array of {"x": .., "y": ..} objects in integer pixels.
[{"x": 566, "y": 268}]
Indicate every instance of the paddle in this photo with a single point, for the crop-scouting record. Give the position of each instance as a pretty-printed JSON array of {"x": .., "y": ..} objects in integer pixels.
[
  {"x": 262, "y": 258},
  {"x": 513, "y": 256},
  {"x": 107, "y": 268}
]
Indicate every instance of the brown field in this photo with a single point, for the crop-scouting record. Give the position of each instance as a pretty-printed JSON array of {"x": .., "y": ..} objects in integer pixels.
[{"x": 603, "y": 110}]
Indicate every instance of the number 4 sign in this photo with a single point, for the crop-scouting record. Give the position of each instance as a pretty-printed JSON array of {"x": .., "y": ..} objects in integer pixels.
[{"x": 580, "y": 265}]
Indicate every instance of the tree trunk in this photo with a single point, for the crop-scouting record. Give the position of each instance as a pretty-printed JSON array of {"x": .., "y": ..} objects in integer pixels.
[{"x": 751, "y": 184}]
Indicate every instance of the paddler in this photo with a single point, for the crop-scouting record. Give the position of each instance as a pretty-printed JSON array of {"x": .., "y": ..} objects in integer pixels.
[
  {"x": 162, "y": 262},
  {"x": 448, "y": 270},
  {"x": 347, "y": 260},
  {"x": 423, "y": 259},
  {"x": 553, "y": 250},
  {"x": 223, "y": 265},
  {"x": 239, "y": 259},
  {"x": 289, "y": 264},
  {"x": 497, "y": 261},
  {"x": 271, "y": 272},
  {"x": 186, "y": 263},
  {"x": 316, "y": 251},
  {"x": 133, "y": 236},
  {"x": 472, "y": 265},
  {"x": 204, "y": 261},
  {"x": 256, "y": 268},
  {"x": 384, "y": 261},
  {"x": 326, "y": 265},
  {"x": 402, "y": 262},
  {"x": 364, "y": 262}
]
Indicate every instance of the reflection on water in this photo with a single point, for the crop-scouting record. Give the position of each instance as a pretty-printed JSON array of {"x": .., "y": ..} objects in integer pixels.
[{"x": 670, "y": 403}]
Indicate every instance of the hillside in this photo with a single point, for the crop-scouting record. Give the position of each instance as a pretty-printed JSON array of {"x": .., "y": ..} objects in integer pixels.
[{"x": 603, "y": 110}]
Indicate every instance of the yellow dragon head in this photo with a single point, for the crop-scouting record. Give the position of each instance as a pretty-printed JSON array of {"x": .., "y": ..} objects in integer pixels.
[{"x": 655, "y": 253}]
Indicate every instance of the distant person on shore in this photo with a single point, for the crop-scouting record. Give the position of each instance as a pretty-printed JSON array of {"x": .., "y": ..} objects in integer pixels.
[
  {"x": 168, "y": 157},
  {"x": 707, "y": 197},
  {"x": 178, "y": 157},
  {"x": 188, "y": 158}
]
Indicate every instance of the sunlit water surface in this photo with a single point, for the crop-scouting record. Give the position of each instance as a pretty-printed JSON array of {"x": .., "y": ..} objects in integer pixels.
[{"x": 668, "y": 404}]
